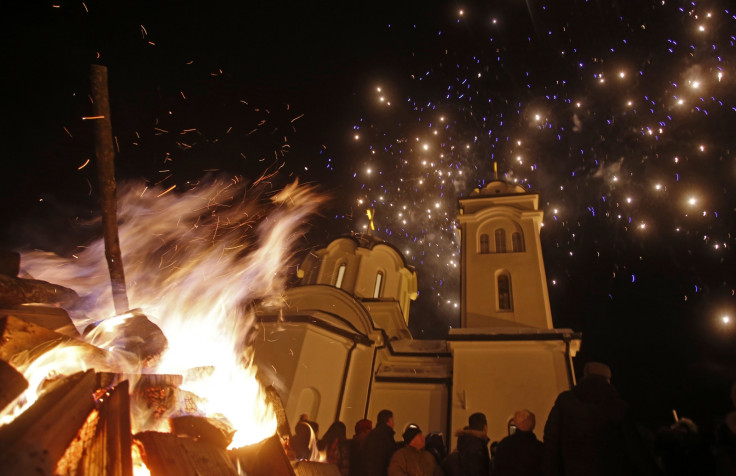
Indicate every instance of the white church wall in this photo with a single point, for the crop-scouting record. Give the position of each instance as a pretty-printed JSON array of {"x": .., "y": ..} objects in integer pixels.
[
  {"x": 276, "y": 349},
  {"x": 308, "y": 365},
  {"x": 357, "y": 386},
  {"x": 321, "y": 367},
  {"x": 424, "y": 404},
  {"x": 500, "y": 377}
]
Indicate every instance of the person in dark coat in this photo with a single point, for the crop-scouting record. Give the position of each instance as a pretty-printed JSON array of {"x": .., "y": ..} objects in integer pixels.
[
  {"x": 336, "y": 447},
  {"x": 412, "y": 459},
  {"x": 683, "y": 451},
  {"x": 304, "y": 442},
  {"x": 725, "y": 441},
  {"x": 584, "y": 433},
  {"x": 519, "y": 454},
  {"x": 362, "y": 429},
  {"x": 435, "y": 444},
  {"x": 470, "y": 458},
  {"x": 379, "y": 446}
]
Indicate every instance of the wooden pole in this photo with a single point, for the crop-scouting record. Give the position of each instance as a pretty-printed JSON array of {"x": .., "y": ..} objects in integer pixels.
[{"x": 108, "y": 190}]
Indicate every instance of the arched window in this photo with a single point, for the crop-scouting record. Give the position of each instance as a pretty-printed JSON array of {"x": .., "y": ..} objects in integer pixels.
[
  {"x": 504, "y": 292},
  {"x": 517, "y": 242},
  {"x": 340, "y": 275},
  {"x": 484, "y": 244},
  {"x": 500, "y": 237},
  {"x": 377, "y": 286}
]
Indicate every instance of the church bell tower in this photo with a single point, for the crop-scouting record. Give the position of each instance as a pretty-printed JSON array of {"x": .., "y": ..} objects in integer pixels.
[
  {"x": 503, "y": 281},
  {"x": 506, "y": 353}
]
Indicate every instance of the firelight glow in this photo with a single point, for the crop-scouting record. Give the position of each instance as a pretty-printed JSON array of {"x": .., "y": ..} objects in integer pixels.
[{"x": 192, "y": 268}]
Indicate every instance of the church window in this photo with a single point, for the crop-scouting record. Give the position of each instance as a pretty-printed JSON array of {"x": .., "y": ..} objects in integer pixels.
[
  {"x": 504, "y": 292},
  {"x": 517, "y": 241},
  {"x": 340, "y": 275},
  {"x": 377, "y": 286},
  {"x": 500, "y": 236},
  {"x": 484, "y": 246}
]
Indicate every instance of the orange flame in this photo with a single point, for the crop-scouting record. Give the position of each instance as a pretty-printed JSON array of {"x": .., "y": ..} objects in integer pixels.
[{"x": 194, "y": 263}]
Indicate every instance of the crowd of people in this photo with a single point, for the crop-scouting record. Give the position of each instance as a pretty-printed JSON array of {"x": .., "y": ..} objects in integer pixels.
[{"x": 588, "y": 432}]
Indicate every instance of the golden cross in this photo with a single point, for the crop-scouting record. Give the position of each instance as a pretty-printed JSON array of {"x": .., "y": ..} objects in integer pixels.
[{"x": 371, "y": 214}]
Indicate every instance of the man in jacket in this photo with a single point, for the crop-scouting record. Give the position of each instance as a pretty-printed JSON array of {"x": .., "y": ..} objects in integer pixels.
[
  {"x": 471, "y": 457},
  {"x": 584, "y": 433},
  {"x": 520, "y": 453},
  {"x": 412, "y": 459},
  {"x": 379, "y": 445}
]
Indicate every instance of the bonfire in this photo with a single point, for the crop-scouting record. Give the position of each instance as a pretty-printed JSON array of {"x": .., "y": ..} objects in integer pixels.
[{"x": 169, "y": 386}]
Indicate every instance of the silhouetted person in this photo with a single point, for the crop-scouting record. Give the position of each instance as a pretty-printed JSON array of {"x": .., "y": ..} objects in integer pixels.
[
  {"x": 379, "y": 445},
  {"x": 412, "y": 459},
  {"x": 725, "y": 441},
  {"x": 435, "y": 444},
  {"x": 304, "y": 442},
  {"x": 683, "y": 451},
  {"x": 520, "y": 453},
  {"x": 584, "y": 432},
  {"x": 357, "y": 444},
  {"x": 470, "y": 457},
  {"x": 336, "y": 447}
]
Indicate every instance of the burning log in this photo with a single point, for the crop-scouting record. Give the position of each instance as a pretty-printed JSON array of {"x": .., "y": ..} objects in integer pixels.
[
  {"x": 9, "y": 263},
  {"x": 266, "y": 458},
  {"x": 156, "y": 397},
  {"x": 53, "y": 318},
  {"x": 282, "y": 427},
  {"x": 14, "y": 291},
  {"x": 133, "y": 333},
  {"x": 103, "y": 445},
  {"x": 18, "y": 336},
  {"x": 12, "y": 384},
  {"x": 203, "y": 429},
  {"x": 108, "y": 188},
  {"x": 166, "y": 454},
  {"x": 312, "y": 468},
  {"x": 37, "y": 439}
]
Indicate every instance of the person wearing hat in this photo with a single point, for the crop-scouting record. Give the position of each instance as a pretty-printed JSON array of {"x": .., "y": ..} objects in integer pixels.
[
  {"x": 584, "y": 433},
  {"x": 470, "y": 457},
  {"x": 412, "y": 459},
  {"x": 520, "y": 453},
  {"x": 357, "y": 443}
]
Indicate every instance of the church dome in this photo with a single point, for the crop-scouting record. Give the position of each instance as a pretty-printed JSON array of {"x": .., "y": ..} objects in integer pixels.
[{"x": 498, "y": 187}]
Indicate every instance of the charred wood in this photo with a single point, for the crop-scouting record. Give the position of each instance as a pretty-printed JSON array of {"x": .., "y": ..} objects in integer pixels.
[
  {"x": 210, "y": 430},
  {"x": 14, "y": 291},
  {"x": 19, "y": 338},
  {"x": 166, "y": 454},
  {"x": 313, "y": 468},
  {"x": 103, "y": 445},
  {"x": 274, "y": 399},
  {"x": 52, "y": 318},
  {"x": 266, "y": 458},
  {"x": 9, "y": 263},
  {"x": 34, "y": 442},
  {"x": 12, "y": 384},
  {"x": 135, "y": 334},
  {"x": 17, "y": 335}
]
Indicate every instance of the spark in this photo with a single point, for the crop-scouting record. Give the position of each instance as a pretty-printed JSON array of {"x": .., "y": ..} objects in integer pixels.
[{"x": 166, "y": 191}]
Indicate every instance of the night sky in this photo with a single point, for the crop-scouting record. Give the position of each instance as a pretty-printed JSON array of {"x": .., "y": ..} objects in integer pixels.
[{"x": 620, "y": 114}]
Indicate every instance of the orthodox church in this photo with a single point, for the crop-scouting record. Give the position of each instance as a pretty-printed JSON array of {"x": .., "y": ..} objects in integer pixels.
[{"x": 339, "y": 347}]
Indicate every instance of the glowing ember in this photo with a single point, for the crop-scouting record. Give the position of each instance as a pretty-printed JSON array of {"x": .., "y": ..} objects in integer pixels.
[{"x": 194, "y": 263}]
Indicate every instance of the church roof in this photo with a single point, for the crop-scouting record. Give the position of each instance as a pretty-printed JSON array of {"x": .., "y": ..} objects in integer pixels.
[
  {"x": 368, "y": 241},
  {"x": 498, "y": 187}
]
